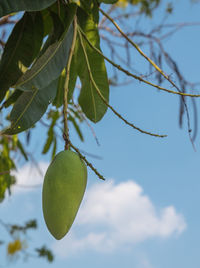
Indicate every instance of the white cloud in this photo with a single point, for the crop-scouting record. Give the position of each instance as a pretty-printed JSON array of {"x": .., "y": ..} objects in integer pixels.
[
  {"x": 111, "y": 214},
  {"x": 29, "y": 177},
  {"x": 115, "y": 215}
]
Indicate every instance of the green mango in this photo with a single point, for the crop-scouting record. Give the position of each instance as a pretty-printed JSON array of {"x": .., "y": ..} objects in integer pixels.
[{"x": 63, "y": 189}]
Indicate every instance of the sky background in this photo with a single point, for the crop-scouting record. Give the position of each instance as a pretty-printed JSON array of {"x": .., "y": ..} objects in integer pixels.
[{"x": 146, "y": 213}]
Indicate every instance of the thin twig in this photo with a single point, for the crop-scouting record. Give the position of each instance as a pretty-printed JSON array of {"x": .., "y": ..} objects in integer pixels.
[
  {"x": 155, "y": 66},
  {"x": 87, "y": 162},
  {"x": 104, "y": 100},
  {"x": 135, "y": 76},
  {"x": 139, "y": 50},
  {"x": 66, "y": 85}
]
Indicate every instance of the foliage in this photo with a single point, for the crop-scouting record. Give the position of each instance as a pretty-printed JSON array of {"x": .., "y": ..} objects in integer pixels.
[
  {"x": 53, "y": 71},
  {"x": 44, "y": 252},
  {"x": 7, "y": 144},
  {"x": 18, "y": 242}
]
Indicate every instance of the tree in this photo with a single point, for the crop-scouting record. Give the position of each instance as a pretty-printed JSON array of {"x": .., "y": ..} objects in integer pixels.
[{"x": 66, "y": 47}]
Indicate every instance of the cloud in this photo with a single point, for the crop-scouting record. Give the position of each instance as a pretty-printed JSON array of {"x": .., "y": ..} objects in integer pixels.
[
  {"x": 111, "y": 216},
  {"x": 115, "y": 215},
  {"x": 29, "y": 177}
]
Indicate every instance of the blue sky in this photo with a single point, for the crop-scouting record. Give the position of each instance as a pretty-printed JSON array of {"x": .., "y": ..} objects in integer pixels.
[{"x": 146, "y": 214}]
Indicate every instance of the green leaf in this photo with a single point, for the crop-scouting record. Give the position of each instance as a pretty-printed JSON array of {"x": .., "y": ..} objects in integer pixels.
[
  {"x": 45, "y": 253},
  {"x": 10, "y": 6},
  {"x": 6, "y": 181},
  {"x": 90, "y": 7},
  {"x": 21, "y": 148},
  {"x": 55, "y": 116},
  {"x": 77, "y": 128},
  {"x": 49, "y": 66},
  {"x": 47, "y": 21},
  {"x": 54, "y": 149},
  {"x": 58, "y": 101},
  {"x": 89, "y": 100},
  {"x": 72, "y": 79},
  {"x": 20, "y": 50},
  {"x": 12, "y": 98},
  {"x": 6, "y": 165},
  {"x": 57, "y": 29},
  {"x": 48, "y": 142},
  {"x": 30, "y": 107},
  {"x": 86, "y": 5}
]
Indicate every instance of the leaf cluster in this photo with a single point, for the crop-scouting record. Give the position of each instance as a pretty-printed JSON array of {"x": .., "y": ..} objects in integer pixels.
[
  {"x": 35, "y": 80},
  {"x": 43, "y": 252},
  {"x": 35, "y": 68},
  {"x": 32, "y": 72},
  {"x": 18, "y": 243}
]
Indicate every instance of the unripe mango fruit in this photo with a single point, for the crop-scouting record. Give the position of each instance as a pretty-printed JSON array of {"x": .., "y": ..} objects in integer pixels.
[{"x": 63, "y": 189}]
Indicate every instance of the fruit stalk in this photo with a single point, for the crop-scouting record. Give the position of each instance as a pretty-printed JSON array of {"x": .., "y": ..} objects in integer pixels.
[{"x": 66, "y": 86}]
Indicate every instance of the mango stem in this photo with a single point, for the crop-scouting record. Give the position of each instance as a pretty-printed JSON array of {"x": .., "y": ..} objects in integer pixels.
[{"x": 66, "y": 86}]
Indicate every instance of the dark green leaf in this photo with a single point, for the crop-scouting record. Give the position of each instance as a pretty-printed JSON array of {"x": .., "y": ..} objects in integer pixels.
[
  {"x": 73, "y": 75},
  {"x": 5, "y": 183},
  {"x": 7, "y": 146},
  {"x": 55, "y": 33},
  {"x": 54, "y": 115},
  {"x": 77, "y": 128},
  {"x": 20, "y": 50},
  {"x": 86, "y": 5},
  {"x": 11, "y": 6},
  {"x": 31, "y": 224},
  {"x": 49, "y": 66},
  {"x": 58, "y": 101},
  {"x": 30, "y": 107},
  {"x": 46, "y": 253},
  {"x": 91, "y": 9},
  {"x": 47, "y": 21},
  {"x": 21, "y": 148},
  {"x": 48, "y": 142},
  {"x": 54, "y": 149},
  {"x": 57, "y": 30},
  {"x": 12, "y": 98},
  {"x": 6, "y": 165},
  {"x": 89, "y": 100}
]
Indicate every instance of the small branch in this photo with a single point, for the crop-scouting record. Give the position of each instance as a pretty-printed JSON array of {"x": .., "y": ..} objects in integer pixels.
[
  {"x": 133, "y": 75},
  {"x": 112, "y": 8},
  {"x": 105, "y": 101},
  {"x": 87, "y": 162},
  {"x": 155, "y": 66},
  {"x": 6, "y": 20},
  {"x": 66, "y": 86},
  {"x": 140, "y": 51}
]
